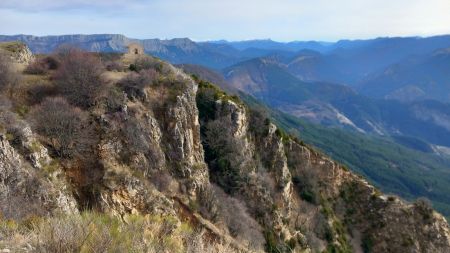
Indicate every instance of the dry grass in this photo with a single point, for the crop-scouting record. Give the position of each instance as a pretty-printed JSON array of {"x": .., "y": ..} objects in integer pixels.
[
  {"x": 113, "y": 76},
  {"x": 93, "y": 232}
]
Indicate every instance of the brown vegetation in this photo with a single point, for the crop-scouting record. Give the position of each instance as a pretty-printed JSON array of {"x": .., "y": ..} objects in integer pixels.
[
  {"x": 134, "y": 83},
  {"x": 93, "y": 232},
  {"x": 62, "y": 125},
  {"x": 79, "y": 77},
  {"x": 41, "y": 66},
  {"x": 8, "y": 77}
]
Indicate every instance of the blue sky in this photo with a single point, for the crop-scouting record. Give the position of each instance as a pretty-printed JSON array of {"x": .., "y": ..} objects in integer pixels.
[{"x": 282, "y": 20}]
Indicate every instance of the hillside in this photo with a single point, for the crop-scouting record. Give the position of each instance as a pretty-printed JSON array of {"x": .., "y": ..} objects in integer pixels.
[
  {"x": 150, "y": 158},
  {"x": 336, "y": 105},
  {"x": 406, "y": 167},
  {"x": 392, "y": 167},
  {"x": 399, "y": 164},
  {"x": 418, "y": 78}
]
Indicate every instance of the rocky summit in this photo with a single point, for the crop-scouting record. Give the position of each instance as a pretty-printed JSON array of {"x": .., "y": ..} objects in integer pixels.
[{"x": 141, "y": 157}]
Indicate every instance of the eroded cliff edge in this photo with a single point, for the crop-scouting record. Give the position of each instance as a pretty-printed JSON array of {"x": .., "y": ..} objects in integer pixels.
[{"x": 164, "y": 143}]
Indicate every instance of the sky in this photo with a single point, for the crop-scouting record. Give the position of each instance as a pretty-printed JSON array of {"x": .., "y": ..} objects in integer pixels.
[{"x": 282, "y": 20}]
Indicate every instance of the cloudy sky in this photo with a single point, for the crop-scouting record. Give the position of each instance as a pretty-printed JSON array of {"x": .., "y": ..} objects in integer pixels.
[{"x": 282, "y": 20}]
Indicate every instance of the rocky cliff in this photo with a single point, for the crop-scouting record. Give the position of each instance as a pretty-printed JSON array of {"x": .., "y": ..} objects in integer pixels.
[
  {"x": 174, "y": 146},
  {"x": 305, "y": 200},
  {"x": 17, "y": 51}
]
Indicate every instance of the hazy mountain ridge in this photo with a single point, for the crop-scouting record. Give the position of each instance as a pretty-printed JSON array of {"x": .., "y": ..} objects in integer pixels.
[
  {"x": 416, "y": 78},
  {"x": 352, "y": 55},
  {"x": 274, "y": 45},
  {"x": 180, "y": 50},
  {"x": 338, "y": 105}
]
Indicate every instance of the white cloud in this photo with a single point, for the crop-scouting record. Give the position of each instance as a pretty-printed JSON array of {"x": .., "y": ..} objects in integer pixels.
[
  {"x": 231, "y": 19},
  {"x": 40, "y": 5}
]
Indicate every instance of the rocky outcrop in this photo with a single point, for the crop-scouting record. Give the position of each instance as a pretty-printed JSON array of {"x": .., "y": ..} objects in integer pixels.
[
  {"x": 156, "y": 148},
  {"x": 181, "y": 148},
  {"x": 153, "y": 158},
  {"x": 306, "y": 201},
  {"x": 17, "y": 51},
  {"x": 25, "y": 190}
]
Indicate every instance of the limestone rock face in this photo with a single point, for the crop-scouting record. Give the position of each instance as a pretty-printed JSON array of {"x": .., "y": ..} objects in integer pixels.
[
  {"x": 18, "y": 51},
  {"x": 25, "y": 55},
  {"x": 183, "y": 129},
  {"x": 264, "y": 191},
  {"x": 153, "y": 154},
  {"x": 306, "y": 199},
  {"x": 132, "y": 195},
  {"x": 36, "y": 154},
  {"x": 158, "y": 144},
  {"x": 237, "y": 115},
  {"x": 31, "y": 191}
]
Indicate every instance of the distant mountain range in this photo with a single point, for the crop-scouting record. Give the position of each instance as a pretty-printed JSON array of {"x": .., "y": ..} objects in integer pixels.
[
  {"x": 332, "y": 104},
  {"x": 378, "y": 86},
  {"x": 275, "y": 45},
  {"x": 354, "y": 58},
  {"x": 177, "y": 51},
  {"x": 415, "y": 78}
]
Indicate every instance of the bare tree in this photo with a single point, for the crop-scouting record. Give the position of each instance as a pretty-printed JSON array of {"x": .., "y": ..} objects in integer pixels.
[
  {"x": 79, "y": 77},
  {"x": 61, "y": 124}
]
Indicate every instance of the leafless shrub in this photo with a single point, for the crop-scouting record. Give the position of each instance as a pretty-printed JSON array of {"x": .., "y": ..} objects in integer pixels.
[
  {"x": 79, "y": 77},
  {"x": 220, "y": 207},
  {"x": 5, "y": 103},
  {"x": 35, "y": 68},
  {"x": 61, "y": 124},
  {"x": 161, "y": 180},
  {"x": 240, "y": 223},
  {"x": 38, "y": 92},
  {"x": 209, "y": 206},
  {"x": 63, "y": 50},
  {"x": 139, "y": 144},
  {"x": 197, "y": 244},
  {"x": 424, "y": 207},
  {"x": 134, "y": 83},
  {"x": 21, "y": 204},
  {"x": 58, "y": 235},
  {"x": 146, "y": 62},
  {"x": 10, "y": 122},
  {"x": 8, "y": 76},
  {"x": 115, "y": 99},
  {"x": 51, "y": 62},
  {"x": 114, "y": 66},
  {"x": 41, "y": 66}
]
